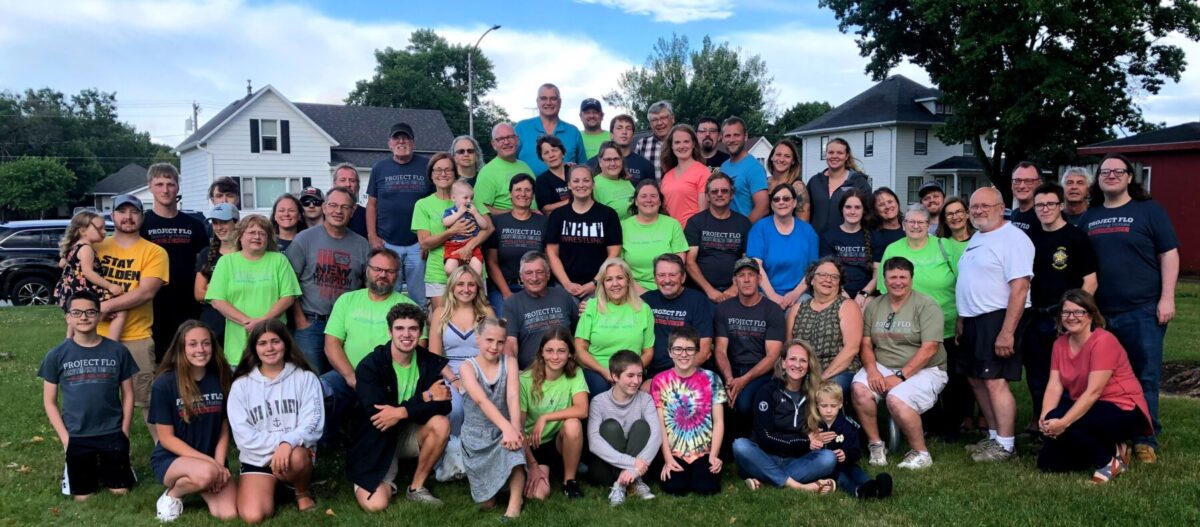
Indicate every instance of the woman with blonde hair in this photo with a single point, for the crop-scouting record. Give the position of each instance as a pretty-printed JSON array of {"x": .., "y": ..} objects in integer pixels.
[
  {"x": 452, "y": 330},
  {"x": 614, "y": 320},
  {"x": 826, "y": 187}
]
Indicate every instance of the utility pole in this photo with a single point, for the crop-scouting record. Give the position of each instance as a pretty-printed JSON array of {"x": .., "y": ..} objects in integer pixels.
[
  {"x": 195, "y": 116},
  {"x": 471, "y": 82}
]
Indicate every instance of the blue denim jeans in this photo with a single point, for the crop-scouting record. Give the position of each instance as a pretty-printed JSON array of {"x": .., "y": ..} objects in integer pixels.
[
  {"x": 413, "y": 269},
  {"x": 595, "y": 382},
  {"x": 850, "y": 478},
  {"x": 843, "y": 379},
  {"x": 497, "y": 300},
  {"x": 754, "y": 463},
  {"x": 340, "y": 398},
  {"x": 1140, "y": 334},
  {"x": 312, "y": 343},
  {"x": 745, "y": 399},
  {"x": 1038, "y": 344}
]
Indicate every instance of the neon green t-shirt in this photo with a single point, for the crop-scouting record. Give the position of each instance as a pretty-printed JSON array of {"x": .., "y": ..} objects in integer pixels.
[
  {"x": 618, "y": 328},
  {"x": 251, "y": 286},
  {"x": 556, "y": 395},
  {"x": 934, "y": 274},
  {"x": 641, "y": 244},
  {"x": 360, "y": 323},
  {"x": 406, "y": 379},
  {"x": 615, "y": 193},
  {"x": 427, "y": 216},
  {"x": 592, "y": 142},
  {"x": 491, "y": 186}
]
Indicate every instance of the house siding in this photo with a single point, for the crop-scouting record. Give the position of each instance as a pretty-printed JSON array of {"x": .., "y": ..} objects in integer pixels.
[
  {"x": 878, "y": 167},
  {"x": 194, "y": 179},
  {"x": 911, "y": 165}
]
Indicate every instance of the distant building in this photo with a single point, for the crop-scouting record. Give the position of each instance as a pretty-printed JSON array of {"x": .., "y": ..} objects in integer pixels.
[
  {"x": 131, "y": 179},
  {"x": 272, "y": 146},
  {"x": 891, "y": 131}
]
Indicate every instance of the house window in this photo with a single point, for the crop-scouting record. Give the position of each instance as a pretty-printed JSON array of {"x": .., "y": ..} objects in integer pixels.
[
  {"x": 921, "y": 141},
  {"x": 868, "y": 144},
  {"x": 914, "y": 186},
  {"x": 942, "y": 109},
  {"x": 261, "y": 192},
  {"x": 968, "y": 149},
  {"x": 269, "y": 135},
  {"x": 1146, "y": 178},
  {"x": 824, "y": 143}
]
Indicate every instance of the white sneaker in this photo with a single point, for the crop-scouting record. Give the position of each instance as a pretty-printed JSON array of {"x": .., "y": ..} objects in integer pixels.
[
  {"x": 641, "y": 490},
  {"x": 916, "y": 460},
  {"x": 878, "y": 454},
  {"x": 169, "y": 508},
  {"x": 616, "y": 496}
]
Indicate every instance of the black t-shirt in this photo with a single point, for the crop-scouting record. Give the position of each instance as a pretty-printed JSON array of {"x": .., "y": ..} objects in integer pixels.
[
  {"x": 548, "y": 189},
  {"x": 1025, "y": 221},
  {"x": 691, "y": 308},
  {"x": 1061, "y": 259},
  {"x": 583, "y": 239},
  {"x": 638, "y": 167},
  {"x": 748, "y": 330},
  {"x": 720, "y": 243},
  {"x": 1074, "y": 219},
  {"x": 716, "y": 160},
  {"x": 1127, "y": 241},
  {"x": 208, "y": 415},
  {"x": 851, "y": 249},
  {"x": 358, "y": 221},
  {"x": 513, "y": 238},
  {"x": 182, "y": 237},
  {"x": 883, "y": 238}
]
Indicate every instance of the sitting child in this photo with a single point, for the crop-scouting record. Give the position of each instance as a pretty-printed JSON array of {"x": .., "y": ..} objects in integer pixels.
[
  {"x": 839, "y": 433},
  {"x": 462, "y": 193}
]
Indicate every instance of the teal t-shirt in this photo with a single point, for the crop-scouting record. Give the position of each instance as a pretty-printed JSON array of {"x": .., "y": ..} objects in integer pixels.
[
  {"x": 592, "y": 142},
  {"x": 934, "y": 274},
  {"x": 642, "y": 243},
  {"x": 491, "y": 186},
  {"x": 617, "y": 194},
  {"x": 556, "y": 395},
  {"x": 406, "y": 379},
  {"x": 361, "y": 323},
  {"x": 618, "y": 328},
  {"x": 251, "y": 286}
]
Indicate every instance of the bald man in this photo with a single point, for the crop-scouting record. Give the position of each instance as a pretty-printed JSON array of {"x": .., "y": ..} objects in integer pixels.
[
  {"x": 491, "y": 186},
  {"x": 992, "y": 293}
]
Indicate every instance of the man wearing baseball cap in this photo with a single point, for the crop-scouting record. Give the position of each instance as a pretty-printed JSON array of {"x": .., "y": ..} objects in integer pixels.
[
  {"x": 395, "y": 185},
  {"x": 749, "y": 331},
  {"x": 140, "y": 267},
  {"x": 312, "y": 199},
  {"x": 592, "y": 114},
  {"x": 528, "y": 131},
  {"x": 932, "y": 197}
]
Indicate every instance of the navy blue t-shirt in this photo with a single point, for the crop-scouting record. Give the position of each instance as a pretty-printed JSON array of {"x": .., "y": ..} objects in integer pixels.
[
  {"x": 851, "y": 249},
  {"x": 1025, "y": 221},
  {"x": 1127, "y": 241},
  {"x": 639, "y": 168},
  {"x": 396, "y": 189},
  {"x": 883, "y": 238},
  {"x": 513, "y": 238},
  {"x": 690, "y": 308},
  {"x": 207, "y": 419},
  {"x": 89, "y": 380}
]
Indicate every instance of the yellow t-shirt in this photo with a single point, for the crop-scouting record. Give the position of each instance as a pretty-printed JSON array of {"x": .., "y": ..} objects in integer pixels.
[{"x": 127, "y": 266}]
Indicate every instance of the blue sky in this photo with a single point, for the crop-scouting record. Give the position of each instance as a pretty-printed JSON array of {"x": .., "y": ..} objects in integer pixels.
[{"x": 159, "y": 55}]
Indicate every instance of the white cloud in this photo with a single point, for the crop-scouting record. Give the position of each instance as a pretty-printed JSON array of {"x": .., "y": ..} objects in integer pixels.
[
  {"x": 674, "y": 11},
  {"x": 159, "y": 56},
  {"x": 1179, "y": 102}
]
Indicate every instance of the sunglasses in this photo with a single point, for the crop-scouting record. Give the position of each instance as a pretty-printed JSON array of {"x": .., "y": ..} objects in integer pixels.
[
  {"x": 310, "y": 203},
  {"x": 462, "y": 151}
]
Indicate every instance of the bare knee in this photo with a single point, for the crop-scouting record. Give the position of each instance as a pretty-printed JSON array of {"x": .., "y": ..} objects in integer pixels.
[
  {"x": 118, "y": 492},
  {"x": 253, "y": 516},
  {"x": 377, "y": 502},
  {"x": 301, "y": 458},
  {"x": 438, "y": 427},
  {"x": 861, "y": 395},
  {"x": 572, "y": 429}
]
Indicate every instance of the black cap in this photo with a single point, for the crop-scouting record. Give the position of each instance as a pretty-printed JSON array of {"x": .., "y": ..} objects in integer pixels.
[
  {"x": 402, "y": 128},
  {"x": 590, "y": 104},
  {"x": 746, "y": 263},
  {"x": 928, "y": 187}
]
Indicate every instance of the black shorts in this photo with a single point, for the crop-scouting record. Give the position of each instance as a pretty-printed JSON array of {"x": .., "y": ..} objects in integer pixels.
[
  {"x": 977, "y": 358},
  {"x": 547, "y": 454},
  {"x": 95, "y": 461}
]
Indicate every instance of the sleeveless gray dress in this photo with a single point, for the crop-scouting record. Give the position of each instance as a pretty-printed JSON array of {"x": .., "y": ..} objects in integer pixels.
[
  {"x": 458, "y": 346},
  {"x": 488, "y": 464}
]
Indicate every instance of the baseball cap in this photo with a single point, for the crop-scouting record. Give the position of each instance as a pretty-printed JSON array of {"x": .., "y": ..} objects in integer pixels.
[
  {"x": 223, "y": 212},
  {"x": 590, "y": 104},
  {"x": 928, "y": 187},
  {"x": 746, "y": 263},
  {"x": 312, "y": 193},
  {"x": 127, "y": 199},
  {"x": 402, "y": 128}
]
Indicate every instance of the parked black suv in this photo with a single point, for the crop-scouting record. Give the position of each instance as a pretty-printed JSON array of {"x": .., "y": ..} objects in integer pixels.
[{"x": 29, "y": 260}]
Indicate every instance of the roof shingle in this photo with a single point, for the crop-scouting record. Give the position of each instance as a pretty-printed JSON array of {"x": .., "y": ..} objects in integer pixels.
[{"x": 889, "y": 101}]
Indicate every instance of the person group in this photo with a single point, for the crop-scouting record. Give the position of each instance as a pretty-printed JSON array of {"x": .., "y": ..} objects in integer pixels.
[{"x": 639, "y": 309}]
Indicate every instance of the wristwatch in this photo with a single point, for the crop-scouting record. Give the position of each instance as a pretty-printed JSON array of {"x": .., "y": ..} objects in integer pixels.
[{"x": 900, "y": 374}]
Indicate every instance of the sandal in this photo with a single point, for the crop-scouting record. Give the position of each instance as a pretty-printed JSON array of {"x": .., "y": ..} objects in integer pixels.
[
  {"x": 306, "y": 496},
  {"x": 826, "y": 486},
  {"x": 1106, "y": 473},
  {"x": 753, "y": 484}
]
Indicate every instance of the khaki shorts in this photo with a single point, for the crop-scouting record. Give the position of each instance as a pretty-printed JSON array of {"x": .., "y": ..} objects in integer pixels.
[
  {"x": 143, "y": 355},
  {"x": 919, "y": 392},
  {"x": 408, "y": 445}
]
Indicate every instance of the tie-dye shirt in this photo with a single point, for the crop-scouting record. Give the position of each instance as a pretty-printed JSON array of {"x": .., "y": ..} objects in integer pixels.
[{"x": 687, "y": 404}]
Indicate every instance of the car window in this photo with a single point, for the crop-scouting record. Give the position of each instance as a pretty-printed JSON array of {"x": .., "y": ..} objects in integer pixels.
[{"x": 24, "y": 240}]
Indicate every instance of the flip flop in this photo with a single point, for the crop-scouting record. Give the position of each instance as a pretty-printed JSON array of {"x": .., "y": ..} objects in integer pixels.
[
  {"x": 826, "y": 486},
  {"x": 308, "y": 496}
]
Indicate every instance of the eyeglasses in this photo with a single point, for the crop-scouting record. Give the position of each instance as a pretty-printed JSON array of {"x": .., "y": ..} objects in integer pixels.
[
  {"x": 79, "y": 313},
  {"x": 888, "y": 325},
  {"x": 683, "y": 350},
  {"x": 984, "y": 207},
  {"x": 443, "y": 171},
  {"x": 1046, "y": 206},
  {"x": 504, "y": 138},
  {"x": 462, "y": 151},
  {"x": 1112, "y": 173},
  {"x": 382, "y": 270},
  {"x": 826, "y": 276},
  {"x": 343, "y": 208},
  {"x": 719, "y": 191},
  {"x": 707, "y": 131},
  {"x": 534, "y": 272},
  {"x": 1075, "y": 313},
  {"x": 915, "y": 222},
  {"x": 1026, "y": 181},
  {"x": 956, "y": 214},
  {"x": 610, "y": 160},
  {"x": 402, "y": 139},
  {"x": 781, "y": 199}
]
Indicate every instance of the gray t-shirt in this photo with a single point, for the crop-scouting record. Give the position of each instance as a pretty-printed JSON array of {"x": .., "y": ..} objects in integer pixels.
[
  {"x": 896, "y": 336},
  {"x": 327, "y": 267},
  {"x": 90, "y": 382},
  {"x": 528, "y": 318}
]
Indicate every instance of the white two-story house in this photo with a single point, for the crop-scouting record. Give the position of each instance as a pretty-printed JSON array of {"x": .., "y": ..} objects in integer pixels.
[
  {"x": 890, "y": 129},
  {"x": 272, "y": 146}
]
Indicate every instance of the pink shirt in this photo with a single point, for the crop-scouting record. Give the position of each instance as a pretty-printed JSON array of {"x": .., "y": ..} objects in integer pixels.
[
  {"x": 681, "y": 192},
  {"x": 1101, "y": 352}
]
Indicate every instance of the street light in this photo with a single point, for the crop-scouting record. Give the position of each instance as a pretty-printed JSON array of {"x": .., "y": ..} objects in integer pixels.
[{"x": 471, "y": 82}]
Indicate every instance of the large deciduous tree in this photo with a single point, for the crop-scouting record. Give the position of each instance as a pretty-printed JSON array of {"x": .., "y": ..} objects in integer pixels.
[
  {"x": 430, "y": 73},
  {"x": 798, "y": 115},
  {"x": 29, "y": 186},
  {"x": 715, "y": 81},
  {"x": 1037, "y": 78}
]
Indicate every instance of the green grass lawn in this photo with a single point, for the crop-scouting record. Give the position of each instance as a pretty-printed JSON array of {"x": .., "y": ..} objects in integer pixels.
[{"x": 954, "y": 491}]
